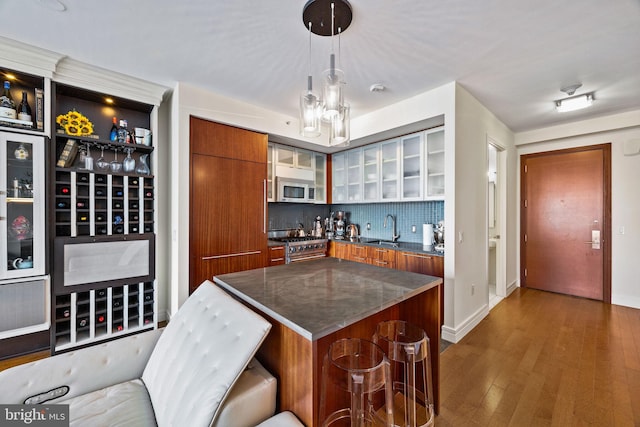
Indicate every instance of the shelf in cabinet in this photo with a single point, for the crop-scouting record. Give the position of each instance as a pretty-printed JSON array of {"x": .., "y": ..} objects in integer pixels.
[
  {"x": 434, "y": 174},
  {"x": 99, "y": 172},
  {"x": 435, "y": 152},
  {"x": 120, "y": 146},
  {"x": 28, "y": 200}
]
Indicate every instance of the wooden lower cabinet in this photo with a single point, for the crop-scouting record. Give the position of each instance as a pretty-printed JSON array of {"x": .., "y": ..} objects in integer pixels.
[
  {"x": 276, "y": 255},
  {"x": 382, "y": 257},
  {"x": 421, "y": 263},
  {"x": 339, "y": 249},
  {"x": 358, "y": 253}
]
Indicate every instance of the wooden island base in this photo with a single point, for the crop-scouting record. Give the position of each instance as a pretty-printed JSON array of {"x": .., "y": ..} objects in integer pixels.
[{"x": 297, "y": 362}]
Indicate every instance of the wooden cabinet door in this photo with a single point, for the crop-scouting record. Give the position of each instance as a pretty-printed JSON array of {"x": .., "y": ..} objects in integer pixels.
[
  {"x": 358, "y": 253},
  {"x": 421, "y": 263},
  {"x": 228, "y": 217},
  {"x": 339, "y": 250},
  {"x": 276, "y": 255},
  {"x": 216, "y": 139},
  {"x": 382, "y": 257}
]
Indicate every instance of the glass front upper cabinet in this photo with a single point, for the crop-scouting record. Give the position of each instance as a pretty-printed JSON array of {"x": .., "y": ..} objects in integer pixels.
[
  {"x": 390, "y": 169},
  {"x": 22, "y": 210},
  {"x": 412, "y": 173}
]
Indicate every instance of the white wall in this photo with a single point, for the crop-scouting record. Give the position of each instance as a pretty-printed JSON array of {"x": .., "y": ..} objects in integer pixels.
[
  {"x": 625, "y": 196},
  {"x": 467, "y": 239}
]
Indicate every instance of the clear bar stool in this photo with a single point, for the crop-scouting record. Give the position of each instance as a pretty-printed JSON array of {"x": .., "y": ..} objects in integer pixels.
[
  {"x": 356, "y": 385},
  {"x": 407, "y": 347}
]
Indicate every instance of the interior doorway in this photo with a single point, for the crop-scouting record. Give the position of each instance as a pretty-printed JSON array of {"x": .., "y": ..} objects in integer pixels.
[
  {"x": 566, "y": 221},
  {"x": 496, "y": 222}
]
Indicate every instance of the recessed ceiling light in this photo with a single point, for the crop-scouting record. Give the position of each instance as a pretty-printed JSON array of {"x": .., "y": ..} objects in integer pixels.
[
  {"x": 10, "y": 76},
  {"x": 108, "y": 100}
]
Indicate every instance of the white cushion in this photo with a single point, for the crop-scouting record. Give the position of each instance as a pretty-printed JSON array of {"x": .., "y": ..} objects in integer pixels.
[
  {"x": 200, "y": 355},
  {"x": 252, "y": 398},
  {"x": 283, "y": 419},
  {"x": 126, "y": 404}
]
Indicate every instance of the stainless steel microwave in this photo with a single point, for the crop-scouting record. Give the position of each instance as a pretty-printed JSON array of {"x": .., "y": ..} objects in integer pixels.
[{"x": 295, "y": 190}]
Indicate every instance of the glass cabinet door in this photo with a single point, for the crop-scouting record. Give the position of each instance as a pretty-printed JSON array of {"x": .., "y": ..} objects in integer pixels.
[
  {"x": 371, "y": 166},
  {"x": 354, "y": 175},
  {"x": 435, "y": 165},
  {"x": 390, "y": 168},
  {"x": 22, "y": 234},
  {"x": 339, "y": 178},
  {"x": 412, "y": 167}
]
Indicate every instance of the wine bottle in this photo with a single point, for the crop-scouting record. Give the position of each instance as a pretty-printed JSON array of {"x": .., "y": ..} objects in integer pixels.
[
  {"x": 62, "y": 205},
  {"x": 7, "y": 106},
  {"x": 24, "y": 110},
  {"x": 65, "y": 190},
  {"x": 123, "y": 132},
  {"x": 80, "y": 204},
  {"x": 113, "y": 134}
]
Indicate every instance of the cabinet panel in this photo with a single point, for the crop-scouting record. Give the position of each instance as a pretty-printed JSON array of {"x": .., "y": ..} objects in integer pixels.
[
  {"x": 371, "y": 173},
  {"x": 228, "y": 217},
  {"x": 276, "y": 255},
  {"x": 215, "y": 139},
  {"x": 390, "y": 166},
  {"x": 412, "y": 167},
  {"x": 339, "y": 180},
  {"x": 358, "y": 253},
  {"x": 339, "y": 249},
  {"x": 421, "y": 263},
  {"x": 435, "y": 165},
  {"x": 382, "y": 257}
]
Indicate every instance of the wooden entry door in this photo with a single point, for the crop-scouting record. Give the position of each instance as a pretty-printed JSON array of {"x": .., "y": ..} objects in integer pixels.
[{"x": 566, "y": 203}]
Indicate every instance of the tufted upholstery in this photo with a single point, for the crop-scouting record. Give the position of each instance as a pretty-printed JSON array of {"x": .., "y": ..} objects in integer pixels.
[
  {"x": 183, "y": 376},
  {"x": 201, "y": 354}
]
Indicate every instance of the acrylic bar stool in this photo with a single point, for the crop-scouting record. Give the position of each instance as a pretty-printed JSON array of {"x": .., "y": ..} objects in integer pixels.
[
  {"x": 407, "y": 347},
  {"x": 356, "y": 385}
]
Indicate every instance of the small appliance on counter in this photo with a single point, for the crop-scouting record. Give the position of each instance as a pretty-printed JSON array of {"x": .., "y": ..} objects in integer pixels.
[
  {"x": 317, "y": 230},
  {"x": 439, "y": 237},
  {"x": 428, "y": 237},
  {"x": 352, "y": 232},
  {"x": 340, "y": 225}
]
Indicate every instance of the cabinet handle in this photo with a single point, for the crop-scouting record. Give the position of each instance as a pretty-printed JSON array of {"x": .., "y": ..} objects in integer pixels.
[
  {"x": 358, "y": 258},
  {"x": 204, "y": 258},
  {"x": 3, "y": 193},
  {"x": 3, "y": 218},
  {"x": 277, "y": 259},
  {"x": 381, "y": 250},
  {"x": 381, "y": 262},
  {"x": 264, "y": 206},
  {"x": 277, "y": 248},
  {"x": 417, "y": 256}
]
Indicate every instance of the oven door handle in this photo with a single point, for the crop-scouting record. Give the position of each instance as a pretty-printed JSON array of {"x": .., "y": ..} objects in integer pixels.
[{"x": 308, "y": 257}]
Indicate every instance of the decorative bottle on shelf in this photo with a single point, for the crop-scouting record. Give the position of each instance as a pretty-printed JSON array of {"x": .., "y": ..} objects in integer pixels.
[
  {"x": 7, "y": 106},
  {"x": 123, "y": 132},
  {"x": 113, "y": 133},
  {"x": 24, "y": 110}
]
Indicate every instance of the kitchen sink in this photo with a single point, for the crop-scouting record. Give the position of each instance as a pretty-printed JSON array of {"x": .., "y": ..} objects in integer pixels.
[{"x": 380, "y": 242}]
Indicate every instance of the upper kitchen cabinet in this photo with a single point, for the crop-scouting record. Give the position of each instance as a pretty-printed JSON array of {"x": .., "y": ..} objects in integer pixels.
[
  {"x": 410, "y": 168},
  {"x": 295, "y": 164},
  {"x": 320, "y": 168},
  {"x": 435, "y": 164}
]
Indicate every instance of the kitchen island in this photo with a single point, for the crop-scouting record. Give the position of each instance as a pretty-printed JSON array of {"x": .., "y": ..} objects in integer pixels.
[{"x": 312, "y": 304}]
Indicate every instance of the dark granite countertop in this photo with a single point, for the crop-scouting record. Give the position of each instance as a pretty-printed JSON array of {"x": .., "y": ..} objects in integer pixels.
[
  {"x": 316, "y": 298},
  {"x": 399, "y": 246}
]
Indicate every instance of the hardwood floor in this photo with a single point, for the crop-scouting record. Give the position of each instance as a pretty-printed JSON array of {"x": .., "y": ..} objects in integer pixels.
[
  {"x": 539, "y": 359},
  {"x": 543, "y": 359}
]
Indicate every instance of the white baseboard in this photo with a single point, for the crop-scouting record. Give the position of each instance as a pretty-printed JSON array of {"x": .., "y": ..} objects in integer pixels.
[
  {"x": 512, "y": 286},
  {"x": 454, "y": 335},
  {"x": 626, "y": 301}
]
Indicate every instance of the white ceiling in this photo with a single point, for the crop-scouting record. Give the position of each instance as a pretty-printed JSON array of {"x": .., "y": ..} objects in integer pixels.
[{"x": 512, "y": 55}]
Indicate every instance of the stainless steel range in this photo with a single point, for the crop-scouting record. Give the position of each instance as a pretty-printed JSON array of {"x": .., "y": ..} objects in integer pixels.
[{"x": 303, "y": 248}]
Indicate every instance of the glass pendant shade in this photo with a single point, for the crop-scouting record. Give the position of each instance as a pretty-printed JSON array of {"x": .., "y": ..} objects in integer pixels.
[
  {"x": 340, "y": 127},
  {"x": 333, "y": 96},
  {"x": 309, "y": 117}
]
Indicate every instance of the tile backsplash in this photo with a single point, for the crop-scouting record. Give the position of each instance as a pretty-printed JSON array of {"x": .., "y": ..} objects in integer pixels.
[{"x": 407, "y": 214}]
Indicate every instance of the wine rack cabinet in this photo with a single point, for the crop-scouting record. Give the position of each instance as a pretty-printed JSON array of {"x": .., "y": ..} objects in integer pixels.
[
  {"x": 94, "y": 204},
  {"x": 99, "y": 314}
]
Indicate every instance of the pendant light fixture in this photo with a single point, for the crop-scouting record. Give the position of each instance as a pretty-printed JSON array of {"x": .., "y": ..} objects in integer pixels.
[
  {"x": 309, "y": 105},
  {"x": 332, "y": 108}
]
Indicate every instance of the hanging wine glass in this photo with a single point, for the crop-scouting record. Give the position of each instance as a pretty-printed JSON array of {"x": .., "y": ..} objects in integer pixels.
[
  {"x": 142, "y": 168},
  {"x": 88, "y": 160},
  {"x": 129, "y": 163},
  {"x": 115, "y": 165},
  {"x": 101, "y": 163}
]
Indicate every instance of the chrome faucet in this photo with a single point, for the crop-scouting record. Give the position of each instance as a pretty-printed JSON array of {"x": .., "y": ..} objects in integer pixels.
[{"x": 394, "y": 236}]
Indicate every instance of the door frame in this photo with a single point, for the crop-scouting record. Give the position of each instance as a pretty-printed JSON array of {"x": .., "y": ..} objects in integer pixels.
[
  {"x": 501, "y": 212},
  {"x": 606, "y": 201}
]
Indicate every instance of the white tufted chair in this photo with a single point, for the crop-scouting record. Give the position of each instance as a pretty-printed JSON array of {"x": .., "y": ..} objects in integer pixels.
[{"x": 199, "y": 371}]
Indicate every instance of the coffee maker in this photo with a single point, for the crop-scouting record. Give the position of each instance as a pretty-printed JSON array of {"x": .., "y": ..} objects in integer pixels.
[{"x": 340, "y": 225}]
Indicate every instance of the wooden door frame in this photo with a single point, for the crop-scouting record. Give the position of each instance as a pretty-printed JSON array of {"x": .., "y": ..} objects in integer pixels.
[{"x": 606, "y": 200}]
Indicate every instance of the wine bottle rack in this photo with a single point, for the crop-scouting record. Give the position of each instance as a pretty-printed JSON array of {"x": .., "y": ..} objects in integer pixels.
[
  {"x": 99, "y": 314},
  {"x": 95, "y": 204}
]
